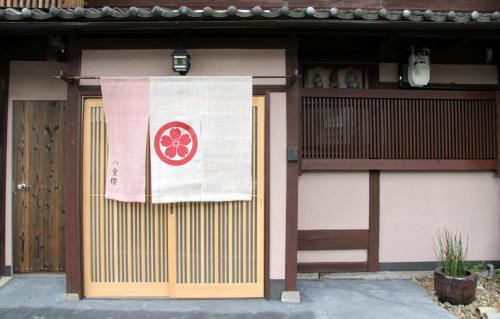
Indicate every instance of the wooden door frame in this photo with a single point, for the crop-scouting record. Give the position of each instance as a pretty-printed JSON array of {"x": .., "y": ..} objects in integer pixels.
[
  {"x": 4, "y": 107},
  {"x": 74, "y": 271}
]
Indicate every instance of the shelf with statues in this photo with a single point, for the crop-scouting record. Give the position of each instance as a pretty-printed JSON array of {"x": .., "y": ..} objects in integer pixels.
[{"x": 338, "y": 76}]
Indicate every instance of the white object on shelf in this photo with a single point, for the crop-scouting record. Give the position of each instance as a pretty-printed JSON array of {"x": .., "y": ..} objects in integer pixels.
[{"x": 419, "y": 71}]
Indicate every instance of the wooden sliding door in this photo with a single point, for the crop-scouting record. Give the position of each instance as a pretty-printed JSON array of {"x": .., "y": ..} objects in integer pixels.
[{"x": 187, "y": 250}]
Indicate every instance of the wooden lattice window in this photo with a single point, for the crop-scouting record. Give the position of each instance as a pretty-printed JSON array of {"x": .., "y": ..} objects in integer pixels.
[{"x": 399, "y": 125}]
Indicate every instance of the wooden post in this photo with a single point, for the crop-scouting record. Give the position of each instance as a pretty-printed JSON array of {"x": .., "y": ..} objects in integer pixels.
[
  {"x": 292, "y": 175},
  {"x": 497, "y": 133},
  {"x": 4, "y": 90},
  {"x": 374, "y": 221},
  {"x": 267, "y": 198},
  {"x": 72, "y": 177}
]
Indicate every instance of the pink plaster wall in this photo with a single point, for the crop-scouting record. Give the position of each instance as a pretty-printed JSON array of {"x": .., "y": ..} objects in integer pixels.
[
  {"x": 278, "y": 184},
  {"x": 413, "y": 206},
  {"x": 203, "y": 62},
  {"x": 336, "y": 200},
  {"x": 318, "y": 256}
]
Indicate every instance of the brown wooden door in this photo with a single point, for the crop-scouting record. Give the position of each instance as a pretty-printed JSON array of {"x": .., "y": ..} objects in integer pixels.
[{"x": 38, "y": 220}]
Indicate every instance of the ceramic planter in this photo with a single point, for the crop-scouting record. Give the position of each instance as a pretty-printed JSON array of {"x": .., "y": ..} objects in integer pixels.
[{"x": 455, "y": 290}]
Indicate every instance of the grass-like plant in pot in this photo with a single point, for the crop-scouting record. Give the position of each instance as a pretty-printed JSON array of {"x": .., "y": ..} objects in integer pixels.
[{"x": 452, "y": 281}]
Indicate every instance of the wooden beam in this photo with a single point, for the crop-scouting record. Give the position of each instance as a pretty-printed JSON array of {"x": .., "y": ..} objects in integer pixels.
[
  {"x": 374, "y": 220},
  {"x": 112, "y": 42},
  {"x": 333, "y": 267},
  {"x": 292, "y": 169},
  {"x": 72, "y": 177},
  {"x": 333, "y": 239},
  {"x": 400, "y": 94},
  {"x": 4, "y": 94},
  {"x": 398, "y": 165}
]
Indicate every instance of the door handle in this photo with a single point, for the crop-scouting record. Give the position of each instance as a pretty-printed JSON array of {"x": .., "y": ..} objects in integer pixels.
[{"x": 22, "y": 186}]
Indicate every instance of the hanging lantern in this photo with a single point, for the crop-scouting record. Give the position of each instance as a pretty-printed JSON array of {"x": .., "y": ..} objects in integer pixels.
[{"x": 180, "y": 61}]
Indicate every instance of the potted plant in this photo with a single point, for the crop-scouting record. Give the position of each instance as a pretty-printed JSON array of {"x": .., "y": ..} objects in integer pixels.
[{"x": 452, "y": 281}]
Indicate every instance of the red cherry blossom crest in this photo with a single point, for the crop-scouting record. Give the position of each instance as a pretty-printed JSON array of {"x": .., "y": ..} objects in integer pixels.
[{"x": 176, "y": 143}]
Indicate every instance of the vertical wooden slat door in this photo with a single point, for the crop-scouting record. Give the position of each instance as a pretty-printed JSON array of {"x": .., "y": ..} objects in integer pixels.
[
  {"x": 187, "y": 250},
  {"x": 217, "y": 249},
  {"x": 37, "y": 212},
  {"x": 125, "y": 244}
]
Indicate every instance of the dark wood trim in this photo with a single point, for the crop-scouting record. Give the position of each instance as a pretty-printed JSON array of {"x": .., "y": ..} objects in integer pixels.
[
  {"x": 340, "y": 239},
  {"x": 373, "y": 221},
  {"x": 498, "y": 132},
  {"x": 72, "y": 178},
  {"x": 438, "y": 86},
  {"x": 452, "y": 87},
  {"x": 333, "y": 267},
  {"x": 162, "y": 42},
  {"x": 292, "y": 169},
  {"x": 400, "y": 94},
  {"x": 90, "y": 90},
  {"x": 267, "y": 199},
  {"x": 4, "y": 107},
  {"x": 396, "y": 165},
  {"x": 355, "y": 27},
  {"x": 265, "y": 89},
  {"x": 426, "y": 265}
]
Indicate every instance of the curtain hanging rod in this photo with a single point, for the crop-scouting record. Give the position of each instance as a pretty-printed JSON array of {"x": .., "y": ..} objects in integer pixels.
[{"x": 69, "y": 78}]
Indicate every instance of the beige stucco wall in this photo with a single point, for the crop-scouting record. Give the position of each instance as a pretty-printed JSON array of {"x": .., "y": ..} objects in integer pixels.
[
  {"x": 447, "y": 73},
  {"x": 203, "y": 62},
  {"x": 27, "y": 81},
  {"x": 413, "y": 206}
]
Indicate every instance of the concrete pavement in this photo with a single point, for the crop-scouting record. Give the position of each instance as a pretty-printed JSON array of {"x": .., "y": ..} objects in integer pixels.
[{"x": 41, "y": 297}]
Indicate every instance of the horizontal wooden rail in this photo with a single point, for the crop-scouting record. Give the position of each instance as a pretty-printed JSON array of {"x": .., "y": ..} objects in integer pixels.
[
  {"x": 396, "y": 165},
  {"x": 343, "y": 239},
  {"x": 400, "y": 94},
  {"x": 333, "y": 267}
]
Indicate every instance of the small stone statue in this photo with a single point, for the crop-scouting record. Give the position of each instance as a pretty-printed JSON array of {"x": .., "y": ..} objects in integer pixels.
[
  {"x": 351, "y": 80},
  {"x": 317, "y": 82},
  {"x": 334, "y": 79}
]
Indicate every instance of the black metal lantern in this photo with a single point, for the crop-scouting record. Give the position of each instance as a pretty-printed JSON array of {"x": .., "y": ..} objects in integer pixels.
[{"x": 180, "y": 61}]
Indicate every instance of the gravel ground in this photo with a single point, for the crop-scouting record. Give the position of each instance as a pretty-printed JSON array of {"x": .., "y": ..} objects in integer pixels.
[{"x": 487, "y": 295}]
